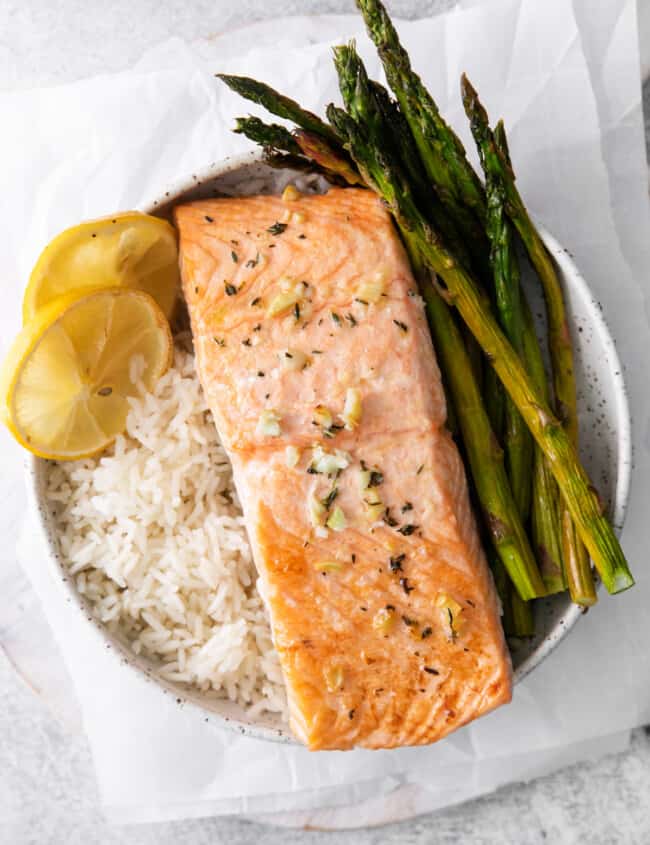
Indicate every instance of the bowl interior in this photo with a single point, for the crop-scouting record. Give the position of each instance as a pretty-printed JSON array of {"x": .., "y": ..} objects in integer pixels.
[{"x": 604, "y": 431}]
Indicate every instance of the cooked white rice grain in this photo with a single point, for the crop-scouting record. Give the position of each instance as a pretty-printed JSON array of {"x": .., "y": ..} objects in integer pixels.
[{"x": 153, "y": 534}]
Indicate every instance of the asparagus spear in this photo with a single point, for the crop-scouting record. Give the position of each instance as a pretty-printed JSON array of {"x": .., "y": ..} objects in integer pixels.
[
  {"x": 281, "y": 149},
  {"x": 545, "y": 506},
  {"x": 576, "y": 560},
  {"x": 504, "y": 589},
  {"x": 505, "y": 268},
  {"x": 484, "y": 454},
  {"x": 271, "y": 136},
  {"x": 384, "y": 112},
  {"x": 315, "y": 139},
  {"x": 523, "y": 621},
  {"x": 278, "y": 104},
  {"x": 495, "y": 400},
  {"x": 441, "y": 150},
  {"x": 387, "y": 179},
  {"x": 516, "y": 614},
  {"x": 319, "y": 149}
]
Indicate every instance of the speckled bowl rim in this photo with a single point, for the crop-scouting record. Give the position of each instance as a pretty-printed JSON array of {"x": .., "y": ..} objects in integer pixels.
[{"x": 255, "y": 728}]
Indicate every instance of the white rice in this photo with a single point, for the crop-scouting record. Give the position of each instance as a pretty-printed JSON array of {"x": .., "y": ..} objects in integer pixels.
[{"x": 153, "y": 533}]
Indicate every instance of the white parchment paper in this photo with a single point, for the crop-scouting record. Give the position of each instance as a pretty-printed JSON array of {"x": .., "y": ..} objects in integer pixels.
[{"x": 565, "y": 76}]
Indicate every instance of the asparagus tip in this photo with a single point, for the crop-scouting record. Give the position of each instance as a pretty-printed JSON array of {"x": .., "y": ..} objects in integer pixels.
[{"x": 469, "y": 94}]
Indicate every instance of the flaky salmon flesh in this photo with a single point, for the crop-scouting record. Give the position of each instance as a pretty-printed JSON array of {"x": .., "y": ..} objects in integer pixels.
[{"x": 314, "y": 354}]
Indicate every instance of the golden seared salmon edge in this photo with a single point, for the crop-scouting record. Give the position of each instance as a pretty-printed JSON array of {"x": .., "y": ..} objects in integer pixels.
[{"x": 314, "y": 354}]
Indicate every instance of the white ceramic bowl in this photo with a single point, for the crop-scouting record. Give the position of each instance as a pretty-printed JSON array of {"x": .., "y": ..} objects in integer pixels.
[{"x": 605, "y": 448}]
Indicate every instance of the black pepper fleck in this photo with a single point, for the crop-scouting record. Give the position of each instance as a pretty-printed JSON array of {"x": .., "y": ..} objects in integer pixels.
[
  {"x": 389, "y": 520},
  {"x": 396, "y": 562},
  {"x": 407, "y": 530},
  {"x": 376, "y": 478},
  {"x": 404, "y": 584}
]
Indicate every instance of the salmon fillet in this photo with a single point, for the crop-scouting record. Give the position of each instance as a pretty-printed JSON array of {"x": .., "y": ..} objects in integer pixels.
[{"x": 313, "y": 351}]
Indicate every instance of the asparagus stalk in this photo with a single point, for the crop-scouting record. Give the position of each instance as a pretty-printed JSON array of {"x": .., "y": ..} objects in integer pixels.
[
  {"x": 384, "y": 113},
  {"x": 575, "y": 558},
  {"x": 505, "y": 268},
  {"x": 576, "y": 561},
  {"x": 314, "y": 138},
  {"x": 545, "y": 525},
  {"x": 484, "y": 453},
  {"x": 278, "y": 104},
  {"x": 545, "y": 506},
  {"x": 387, "y": 179},
  {"x": 475, "y": 358},
  {"x": 495, "y": 401},
  {"x": 320, "y": 150},
  {"x": 523, "y": 621},
  {"x": 516, "y": 614},
  {"x": 271, "y": 136},
  {"x": 281, "y": 149},
  {"x": 504, "y": 590},
  {"x": 441, "y": 150}
]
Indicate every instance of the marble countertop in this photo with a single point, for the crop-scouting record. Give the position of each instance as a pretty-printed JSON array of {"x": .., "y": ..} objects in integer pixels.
[{"x": 47, "y": 787}]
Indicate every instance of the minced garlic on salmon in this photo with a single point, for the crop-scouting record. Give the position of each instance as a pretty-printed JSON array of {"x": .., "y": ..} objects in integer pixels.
[{"x": 314, "y": 354}]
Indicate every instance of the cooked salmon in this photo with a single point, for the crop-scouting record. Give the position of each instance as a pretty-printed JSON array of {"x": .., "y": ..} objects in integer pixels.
[{"x": 313, "y": 350}]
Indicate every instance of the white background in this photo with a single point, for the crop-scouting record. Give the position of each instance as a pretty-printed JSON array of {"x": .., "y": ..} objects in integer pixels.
[{"x": 46, "y": 788}]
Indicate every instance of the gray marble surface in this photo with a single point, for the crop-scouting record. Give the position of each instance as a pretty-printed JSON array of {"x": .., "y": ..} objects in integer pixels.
[{"x": 47, "y": 789}]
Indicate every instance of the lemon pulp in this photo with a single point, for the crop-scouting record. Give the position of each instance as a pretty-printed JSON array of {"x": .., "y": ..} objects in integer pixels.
[{"x": 67, "y": 380}]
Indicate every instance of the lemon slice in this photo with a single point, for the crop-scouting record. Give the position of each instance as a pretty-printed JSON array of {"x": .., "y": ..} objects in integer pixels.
[
  {"x": 65, "y": 384},
  {"x": 131, "y": 250}
]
